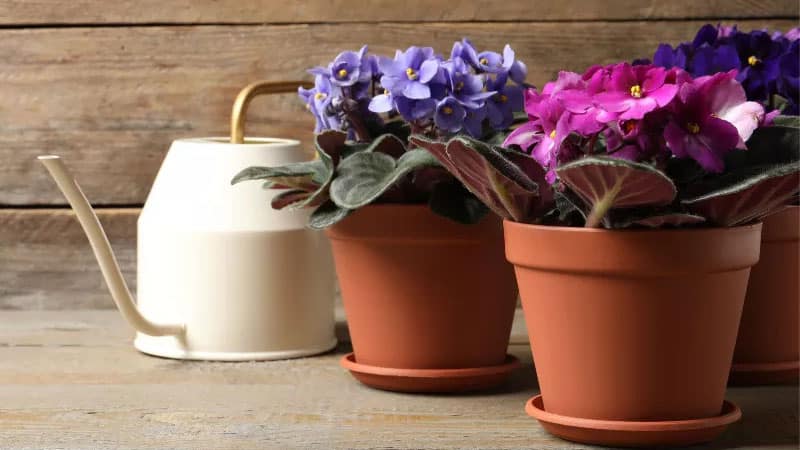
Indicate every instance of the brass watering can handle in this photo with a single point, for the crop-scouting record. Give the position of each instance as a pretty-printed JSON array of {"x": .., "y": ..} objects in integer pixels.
[{"x": 251, "y": 91}]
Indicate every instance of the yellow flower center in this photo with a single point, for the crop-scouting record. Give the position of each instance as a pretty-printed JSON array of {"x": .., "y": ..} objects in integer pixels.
[
  {"x": 483, "y": 61},
  {"x": 459, "y": 85},
  {"x": 411, "y": 73},
  {"x": 320, "y": 95},
  {"x": 636, "y": 91},
  {"x": 553, "y": 134},
  {"x": 693, "y": 127},
  {"x": 447, "y": 110},
  {"x": 385, "y": 92},
  {"x": 503, "y": 98},
  {"x": 342, "y": 73},
  {"x": 753, "y": 60}
]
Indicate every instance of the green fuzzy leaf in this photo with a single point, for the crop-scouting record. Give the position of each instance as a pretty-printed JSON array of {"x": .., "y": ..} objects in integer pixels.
[
  {"x": 746, "y": 195},
  {"x": 488, "y": 174},
  {"x": 605, "y": 183},
  {"x": 363, "y": 177},
  {"x": 388, "y": 144},
  {"x": 307, "y": 175},
  {"x": 768, "y": 145},
  {"x": 567, "y": 204},
  {"x": 326, "y": 215},
  {"x": 787, "y": 121},
  {"x": 450, "y": 199}
]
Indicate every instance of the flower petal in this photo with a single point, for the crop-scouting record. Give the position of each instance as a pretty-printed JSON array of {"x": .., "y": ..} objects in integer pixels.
[{"x": 416, "y": 90}]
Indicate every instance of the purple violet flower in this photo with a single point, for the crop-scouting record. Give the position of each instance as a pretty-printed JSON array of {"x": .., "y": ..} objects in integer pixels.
[
  {"x": 500, "y": 107},
  {"x": 491, "y": 62},
  {"x": 465, "y": 87},
  {"x": 347, "y": 69},
  {"x": 317, "y": 100},
  {"x": 450, "y": 115},
  {"x": 409, "y": 73}
]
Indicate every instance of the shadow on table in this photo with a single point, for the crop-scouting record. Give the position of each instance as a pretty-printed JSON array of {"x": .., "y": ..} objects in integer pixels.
[
  {"x": 769, "y": 419},
  {"x": 522, "y": 379}
]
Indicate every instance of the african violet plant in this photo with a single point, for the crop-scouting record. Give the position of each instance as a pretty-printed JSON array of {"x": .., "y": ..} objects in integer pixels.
[
  {"x": 768, "y": 64},
  {"x": 366, "y": 107},
  {"x": 622, "y": 146}
]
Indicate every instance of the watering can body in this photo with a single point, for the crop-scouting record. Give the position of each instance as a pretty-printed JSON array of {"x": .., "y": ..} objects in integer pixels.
[
  {"x": 246, "y": 281},
  {"x": 221, "y": 275}
]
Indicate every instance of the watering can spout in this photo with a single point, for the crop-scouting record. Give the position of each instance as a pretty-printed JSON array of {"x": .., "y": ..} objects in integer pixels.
[{"x": 102, "y": 251}]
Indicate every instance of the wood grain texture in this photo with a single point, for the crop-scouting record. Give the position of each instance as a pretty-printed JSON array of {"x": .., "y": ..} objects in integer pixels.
[
  {"x": 29, "y": 12},
  {"x": 110, "y": 100},
  {"x": 46, "y": 261},
  {"x": 72, "y": 380}
]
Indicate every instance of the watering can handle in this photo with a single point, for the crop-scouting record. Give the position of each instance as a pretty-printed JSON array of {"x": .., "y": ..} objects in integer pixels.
[
  {"x": 253, "y": 90},
  {"x": 102, "y": 251}
]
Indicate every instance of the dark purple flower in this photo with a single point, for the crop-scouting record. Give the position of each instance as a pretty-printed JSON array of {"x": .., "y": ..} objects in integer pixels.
[
  {"x": 667, "y": 57},
  {"x": 709, "y": 60},
  {"x": 450, "y": 115},
  {"x": 760, "y": 57},
  {"x": 635, "y": 91},
  {"x": 706, "y": 35},
  {"x": 789, "y": 77},
  {"x": 409, "y": 73}
]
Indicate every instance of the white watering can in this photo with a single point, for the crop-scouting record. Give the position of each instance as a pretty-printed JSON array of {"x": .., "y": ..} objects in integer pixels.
[{"x": 221, "y": 275}]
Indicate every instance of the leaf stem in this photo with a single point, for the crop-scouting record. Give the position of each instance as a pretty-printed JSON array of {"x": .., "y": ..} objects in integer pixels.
[{"x": 601, "y": 207}]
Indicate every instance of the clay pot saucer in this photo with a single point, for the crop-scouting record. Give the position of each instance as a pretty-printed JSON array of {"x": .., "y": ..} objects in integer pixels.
[
  {"x": 627, "y": 433},
  {"x": 430, "y": 380},
  {"x": 748, "y": 374}
]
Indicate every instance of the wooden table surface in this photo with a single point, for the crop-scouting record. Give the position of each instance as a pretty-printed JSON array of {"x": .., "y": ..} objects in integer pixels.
[{"x": 72, "y": 380}]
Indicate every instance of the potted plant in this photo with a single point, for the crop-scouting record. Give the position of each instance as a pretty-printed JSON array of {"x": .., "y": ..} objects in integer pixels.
[
  {"x": 631, "y": 201},
  {"x": 767, "y": 349},
  {"x": 427, "y": 292}
]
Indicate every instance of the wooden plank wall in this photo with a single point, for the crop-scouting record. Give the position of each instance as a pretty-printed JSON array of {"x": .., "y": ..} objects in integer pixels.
[{"x": 108, "y": 86}]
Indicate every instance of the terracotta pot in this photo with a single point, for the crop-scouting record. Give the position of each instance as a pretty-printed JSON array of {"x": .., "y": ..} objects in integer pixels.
[
  {"x": 632, "y": 325},
  {"x": 767, "y": 347},
  {"x": 422, "y": 292}
]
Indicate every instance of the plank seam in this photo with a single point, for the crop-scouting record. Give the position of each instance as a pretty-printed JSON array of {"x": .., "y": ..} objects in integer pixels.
[{"x": 56, "y": 25}]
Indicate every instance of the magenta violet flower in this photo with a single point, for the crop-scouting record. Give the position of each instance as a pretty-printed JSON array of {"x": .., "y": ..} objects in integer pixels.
[
  {"x": 695, "y": 131},
  {"x": 635, "y": 91}
]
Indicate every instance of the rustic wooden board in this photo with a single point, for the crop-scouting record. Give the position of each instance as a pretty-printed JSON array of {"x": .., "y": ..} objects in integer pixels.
[
  {"x": 72, "y": 380},
  {"x": 46, "y": 261},
  {"x": 111, "y": 99},
  {"x": 30, "y": 12}
]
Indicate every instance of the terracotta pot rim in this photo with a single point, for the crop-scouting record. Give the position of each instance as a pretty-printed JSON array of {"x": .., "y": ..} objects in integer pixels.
[
  {"x": 409, "y": 224},
  {"x": 348, "y": 361},
  {"x": 729, "y": 414},
  {"x": 632, "y": 253},
  {"x": 627, "y": 231}
]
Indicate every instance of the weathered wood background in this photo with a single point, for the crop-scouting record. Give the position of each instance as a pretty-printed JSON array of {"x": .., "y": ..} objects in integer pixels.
[{"x": 108, "y": 86}]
